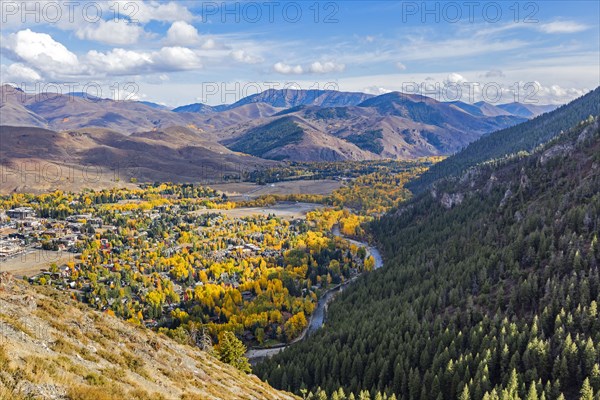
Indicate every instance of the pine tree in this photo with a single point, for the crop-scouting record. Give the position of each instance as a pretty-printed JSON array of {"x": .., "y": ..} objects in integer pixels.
[
  {"x": 587, "y": 393},
  {"x": 232, "y": 351},
  {"x": 532, "y": 394},
  {"x": 465, "y": 393},
  {"x": 595, "y": 378}
]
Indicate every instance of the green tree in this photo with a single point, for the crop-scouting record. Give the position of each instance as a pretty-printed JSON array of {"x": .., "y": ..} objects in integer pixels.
[
  {"x": 231, "y": 350},
  {"x": 532, "y": 394},
  {"x": 587, "y": 393},
  {"x": 465, "y": 393}
]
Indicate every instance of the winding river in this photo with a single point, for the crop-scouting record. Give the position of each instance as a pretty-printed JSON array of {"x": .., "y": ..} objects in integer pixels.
[{"x": 318, "y": 317}]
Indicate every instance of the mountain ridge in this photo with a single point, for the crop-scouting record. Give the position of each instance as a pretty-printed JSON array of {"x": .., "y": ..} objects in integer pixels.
[{"x": 409, "y": 126}]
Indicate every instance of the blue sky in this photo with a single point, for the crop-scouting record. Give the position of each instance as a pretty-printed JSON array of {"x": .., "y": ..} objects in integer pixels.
[{"x": 182, "y": 52}]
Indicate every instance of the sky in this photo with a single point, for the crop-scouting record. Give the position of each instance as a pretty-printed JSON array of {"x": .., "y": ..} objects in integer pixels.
[{"x": 181, "y": 52}]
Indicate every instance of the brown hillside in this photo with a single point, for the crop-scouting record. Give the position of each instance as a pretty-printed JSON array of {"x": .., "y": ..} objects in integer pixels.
[{"x": 54, "y": 348}]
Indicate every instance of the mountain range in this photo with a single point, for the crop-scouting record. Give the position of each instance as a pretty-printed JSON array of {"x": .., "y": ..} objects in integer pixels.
[{"x": 295, "y": 125}]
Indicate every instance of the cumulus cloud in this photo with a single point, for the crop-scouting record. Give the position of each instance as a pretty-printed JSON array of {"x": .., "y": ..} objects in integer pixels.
[
  {"x": 562, "y": 27},
  {"x": 19, "y": 73},
  {"x": 400, "y": 66},
  {"x": 454, "y": 78},
  {"x": 118, "y": 61},
  {"x": 127, "y": 62},
  {"x": 41, "y": 52},
  {"x": 39, "y": 56},
  {"x": 182, "y": 34},
  {"x": 244, "y": 57},
  {"x": 208, "y": 44},
  {"x": 536, "y": 93},
  {"x": 323, "y": 68},
  {"x": 116, "y": 32},
  {"x": 287, "y": 69},
  {"x": 176, "y": 58},
  {"x": 316, "y": 67}
]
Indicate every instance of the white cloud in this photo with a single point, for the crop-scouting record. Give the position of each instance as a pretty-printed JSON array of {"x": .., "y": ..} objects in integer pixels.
[
  {"x": 316, "y": 67},
  {"x": 454, "y": 78},
  {"x": 400, "y": 66},
  {"x": 176, "y": 58},
  {"x": 243, "y": 57},
  {"x": 562, "y": 27},
  {"x": 182, "y": 34},
  {"x": 287, "y": 69},
  {"x": 376, "y": 90},
  {"x": 19, "y": 73},
  {"x": 118, "y": 61},
  {"x": 127, "y": 62},
  {"x": 78, "y": 15},
  {"x": 42, "y": 52},
  {"x": 115, "y": 32},
  {"x": 536, "y": 93},
  {"x": 323, "y": 68},
  {"x": 209, "y": 44}
]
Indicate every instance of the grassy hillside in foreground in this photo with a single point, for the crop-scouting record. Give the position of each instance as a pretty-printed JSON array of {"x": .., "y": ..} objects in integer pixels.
[
  {"x": 490, "y": 290},
  {"x": 54, "y": 348},
  {"x": 523, "y": 137}
]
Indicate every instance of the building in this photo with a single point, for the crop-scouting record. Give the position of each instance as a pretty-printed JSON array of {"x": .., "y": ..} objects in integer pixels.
[
  {"x": 79, "y": 217},
  {"x": 9, "y": 248},
  {"x": 29, "y": 222},
  {"x": 21, "y": 213},
  {"x": 68, "y": 240}
]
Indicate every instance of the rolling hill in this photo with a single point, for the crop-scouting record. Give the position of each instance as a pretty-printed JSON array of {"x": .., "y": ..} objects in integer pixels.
[
  {"x": 74, "y": 111},
  {"x": 294, "y": 138},
  {"x": 35, "y": 159}
]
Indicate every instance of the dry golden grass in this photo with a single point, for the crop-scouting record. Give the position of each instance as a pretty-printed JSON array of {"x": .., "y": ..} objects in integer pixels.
[{"x": 51, "y": 346}]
